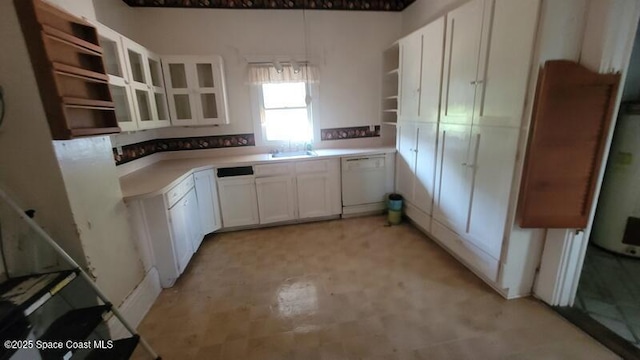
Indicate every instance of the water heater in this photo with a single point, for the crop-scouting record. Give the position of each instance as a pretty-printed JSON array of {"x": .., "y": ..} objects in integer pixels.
[{"x": 617, "y": 223}]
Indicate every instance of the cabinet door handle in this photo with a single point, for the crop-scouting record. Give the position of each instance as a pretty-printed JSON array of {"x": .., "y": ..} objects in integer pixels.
[
  {"x": 468, "y": 165},
  {"x": 476, "y": 82}
]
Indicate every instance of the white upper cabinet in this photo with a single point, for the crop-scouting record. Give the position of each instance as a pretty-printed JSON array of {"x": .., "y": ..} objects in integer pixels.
[
  {"x": 147, "y": 86},
  {"x": 196, "y": 90},
  {"x": 116, "y": 68},
  {"x": 462, "y": 47},
  {"x": 421, "y": 73},
  {"x": 431, "y": 73},
  {"x": 410, "y": 65},
  {"x": 487, "y": 57},
  {"x": 505, "y": 61}
]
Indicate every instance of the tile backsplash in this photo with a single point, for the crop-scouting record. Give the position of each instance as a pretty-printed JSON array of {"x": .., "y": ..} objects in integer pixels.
[
  {"x": 139, "y": 150},
  {"x": 354, "y": 132}
]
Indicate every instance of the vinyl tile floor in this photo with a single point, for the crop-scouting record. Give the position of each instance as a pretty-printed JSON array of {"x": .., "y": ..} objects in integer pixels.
[
  {"x": 609, "y": 292},
  {"x": 347, "y": 289}
]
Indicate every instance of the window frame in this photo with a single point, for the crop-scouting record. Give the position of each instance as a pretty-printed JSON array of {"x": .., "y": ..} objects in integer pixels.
[{"x": 258, "y": 111}]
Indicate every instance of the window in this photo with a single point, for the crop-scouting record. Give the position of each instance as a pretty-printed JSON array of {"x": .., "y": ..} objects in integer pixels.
[{"x": 285, "y": 113}]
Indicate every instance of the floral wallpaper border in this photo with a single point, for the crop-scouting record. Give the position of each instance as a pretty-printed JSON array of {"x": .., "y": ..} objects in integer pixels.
[
  {"x": 354, "y": 132},
  {"x": 360, "y": 5},
  {"x": 139, "y": 150}
]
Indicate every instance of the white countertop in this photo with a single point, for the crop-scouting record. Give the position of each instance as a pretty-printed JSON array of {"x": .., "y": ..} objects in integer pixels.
[{"x": 159, "y": 177}]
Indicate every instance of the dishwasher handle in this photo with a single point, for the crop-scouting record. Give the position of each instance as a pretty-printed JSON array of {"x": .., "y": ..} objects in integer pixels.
[{"x": 364, "y": 164}]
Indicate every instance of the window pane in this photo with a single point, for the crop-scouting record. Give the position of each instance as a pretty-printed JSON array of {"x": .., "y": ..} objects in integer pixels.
[
  {"x": 286, "y": 125},
  {"x": 283, "y": 95}
]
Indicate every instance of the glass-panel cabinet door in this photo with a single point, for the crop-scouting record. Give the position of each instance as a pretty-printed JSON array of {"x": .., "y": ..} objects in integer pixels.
[
  {"x": 209, "y": 92},
  {"x": 123, "y": 103},
  {"x": 161, "y": 112},
  {"x": 112, "y": 52},
  {"x": 111, "y": 56},
  {"x": 136, "y": 66},
  {"x": 180, "y": 81},
  {"x": 143, "y": 102}
]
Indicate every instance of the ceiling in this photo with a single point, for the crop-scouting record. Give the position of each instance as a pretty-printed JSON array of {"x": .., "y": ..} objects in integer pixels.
[{"x": 367, "y": 5}]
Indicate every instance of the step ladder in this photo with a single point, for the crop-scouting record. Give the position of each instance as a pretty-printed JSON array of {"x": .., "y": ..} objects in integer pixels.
[{"x": 22, "y": 296}]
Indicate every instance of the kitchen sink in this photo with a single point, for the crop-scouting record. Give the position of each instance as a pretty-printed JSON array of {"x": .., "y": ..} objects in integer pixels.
[{"x": 288, "y": 154}]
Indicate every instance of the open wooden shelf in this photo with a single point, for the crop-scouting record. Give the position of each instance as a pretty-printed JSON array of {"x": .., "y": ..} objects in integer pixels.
[{"x": 68, "y": 64}]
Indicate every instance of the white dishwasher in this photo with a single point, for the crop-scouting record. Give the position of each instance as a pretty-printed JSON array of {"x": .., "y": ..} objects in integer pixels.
[{"x": 364, "y": 183}]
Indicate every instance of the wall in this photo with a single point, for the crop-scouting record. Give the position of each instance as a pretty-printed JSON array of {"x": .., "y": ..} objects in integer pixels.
[
  {"x": 115, "y": 14},
  {"x": 347, "y": 46},
  {"x": 95, "y": 197},
  {"x": 73, "y": 185},
  {"x": 560, "y": 35},
  {"x": 29, "y": 169},
  {"x": 422, "y": 12}
]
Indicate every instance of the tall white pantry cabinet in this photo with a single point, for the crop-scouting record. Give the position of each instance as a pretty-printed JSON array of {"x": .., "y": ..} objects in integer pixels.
[{"x": 463, "y": 84}]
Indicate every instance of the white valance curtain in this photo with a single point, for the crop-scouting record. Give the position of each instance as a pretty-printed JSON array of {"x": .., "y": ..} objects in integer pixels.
[{"x": 268, "y": 74}]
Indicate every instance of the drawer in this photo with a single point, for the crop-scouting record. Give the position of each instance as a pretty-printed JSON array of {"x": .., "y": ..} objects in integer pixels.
[
  {"x": 177, "y": 192},
  {"x": 273, "y": 169},
  {"x": 312, "y": 166}
]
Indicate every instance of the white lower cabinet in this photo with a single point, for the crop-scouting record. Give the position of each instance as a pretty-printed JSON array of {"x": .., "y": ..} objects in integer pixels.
[
  {"x": 238, "y": 201},
  {"x": 208, "y": 204},
  {"x": 474, "y": 172},
  {"x": 171, "y": 225},
  {"x": 495, "y": 159},
  {"x": 281, "y": 192},
  {"x": 470, "y": 192},
  {"x": 454, "y": 176},
  {"x": 185, "y": 237},
  {"x": 314, "y": 195},
  {"x": 318, "y": 188},
  {"x": 276, "y": 199},
  {"x": 417, "y": 153}
]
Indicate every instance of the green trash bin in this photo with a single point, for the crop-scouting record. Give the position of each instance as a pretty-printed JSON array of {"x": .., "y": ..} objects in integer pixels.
[
  {"x": 394, "y": 217},
  {"x": 394, "y": 204}
]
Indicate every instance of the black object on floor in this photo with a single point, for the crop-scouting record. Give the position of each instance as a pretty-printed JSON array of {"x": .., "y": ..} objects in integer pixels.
[
  {"x": 16, "y": 326},
  {"x": 75, "y": 325},
  {"x": 603, "y": 334},
  {"x": 121, "y": 350}
]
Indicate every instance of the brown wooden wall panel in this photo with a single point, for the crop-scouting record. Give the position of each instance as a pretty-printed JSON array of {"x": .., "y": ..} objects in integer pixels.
[{"x": 571, "y": 119}]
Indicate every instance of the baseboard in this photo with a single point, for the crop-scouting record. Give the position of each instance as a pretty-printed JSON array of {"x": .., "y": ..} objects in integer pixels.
[
  {"x": 281, "y": 223},
  {"x": 604, "y": 335},
  {"x": 137, "y": 304},
  {"x": 362, "y": 210},
  {"x": 417, "y": 216}
]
